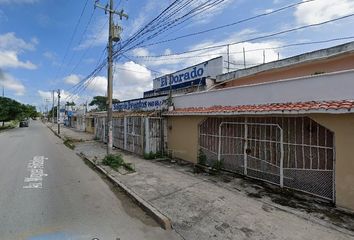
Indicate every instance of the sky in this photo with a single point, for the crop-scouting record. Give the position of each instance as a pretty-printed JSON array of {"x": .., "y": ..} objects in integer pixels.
[{"x": 55, "y": 44}]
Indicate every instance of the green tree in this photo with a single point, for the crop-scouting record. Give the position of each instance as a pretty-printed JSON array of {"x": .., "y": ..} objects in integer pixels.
[
  {"x": 50, "y": 113},
  {"x": 72, "y": 104},
  {"x": 13, "y": 110},
  {"x": 101, "y": 102},
  {"x": 9, "y": 109}
]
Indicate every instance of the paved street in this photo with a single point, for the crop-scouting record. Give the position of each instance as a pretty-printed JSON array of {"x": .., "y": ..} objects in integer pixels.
[{"x": 47, "y": 192}]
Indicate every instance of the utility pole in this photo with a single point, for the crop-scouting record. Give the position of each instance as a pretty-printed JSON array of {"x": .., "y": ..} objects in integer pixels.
[
  {"x": 113, "y": 36},
  {"x": 58, "y": 111},
  {"x": 53, "y": 108}
]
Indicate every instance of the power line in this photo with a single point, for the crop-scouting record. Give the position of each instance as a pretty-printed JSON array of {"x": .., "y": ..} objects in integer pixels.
[
  {"x": 152, "y": 70},
  {"x": 72, "y": 37},
  {"x": 82, "y": 82},
  {"x": 231, "y": 24},
  {"x": 161, "y": 57},
  {"x": 83, "y": 34},
  {"x": 260, "y": 37},
  {"x": 166, "y": 22}
]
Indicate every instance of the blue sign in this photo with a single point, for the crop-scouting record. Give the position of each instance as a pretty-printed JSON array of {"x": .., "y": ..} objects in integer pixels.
[
  {"x": 143, "y": 104},
  {"x": 200, "y": 71},
  {"x": 183, "y": 77}
]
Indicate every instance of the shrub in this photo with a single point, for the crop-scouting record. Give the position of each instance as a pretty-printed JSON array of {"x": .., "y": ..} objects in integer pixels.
[
  {"x": 201, "y": 157},
  {"x": 150, "y": 155},
  {"x": 69, "y": 143},
  {"x": 116, "y": 162}
]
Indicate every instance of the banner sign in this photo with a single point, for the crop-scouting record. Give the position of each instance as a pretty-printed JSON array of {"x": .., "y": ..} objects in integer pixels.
[
  {"x": 209, "y": 68},
  {"x": 142, "y": 104}
]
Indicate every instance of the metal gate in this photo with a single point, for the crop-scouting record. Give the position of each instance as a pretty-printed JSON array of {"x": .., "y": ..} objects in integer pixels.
[
  {"x": 118, "y": 132},
  {"x": 135, "y": 134},
  {"x": 155, "y": 135},
  {"x": 100, "y": 128},
  {"x": 293, "y": 152}
]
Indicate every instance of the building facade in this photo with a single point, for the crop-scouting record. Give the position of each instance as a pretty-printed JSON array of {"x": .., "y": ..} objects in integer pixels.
[{"x": 295, "y": 130}]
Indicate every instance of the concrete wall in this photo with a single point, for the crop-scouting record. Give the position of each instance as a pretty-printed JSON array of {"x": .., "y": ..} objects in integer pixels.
[
  {"x": 343, "y": 127},
  {"x": 182, "y": 135},
  {"x": 332, "y": 86},
  {"x": 289, "y": 69}
]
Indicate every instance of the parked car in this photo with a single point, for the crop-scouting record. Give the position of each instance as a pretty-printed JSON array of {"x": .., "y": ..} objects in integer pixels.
[{"x": 24, "y": 123}]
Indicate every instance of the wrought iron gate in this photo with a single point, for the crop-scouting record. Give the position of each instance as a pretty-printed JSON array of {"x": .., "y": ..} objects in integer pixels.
[
  {"x": 139, "y": 134},
  {"x": 100, "y": 128},
  {"x": 293, "y": 152}
]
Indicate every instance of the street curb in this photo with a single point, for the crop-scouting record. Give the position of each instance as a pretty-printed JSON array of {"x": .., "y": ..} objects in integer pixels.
[
  {"x": 56, "y": 134},
  {"x": 161, "y": 219}
]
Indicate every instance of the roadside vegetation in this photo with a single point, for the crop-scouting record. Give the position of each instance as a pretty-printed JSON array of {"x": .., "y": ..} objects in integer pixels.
[
  {"x": 151, "y": 155},
  {"x": 116, "y": 162},
  {"x": 12, "y": 111},
  {"x": 69, "y": 143},
  {"x": 9, "y": 125}
]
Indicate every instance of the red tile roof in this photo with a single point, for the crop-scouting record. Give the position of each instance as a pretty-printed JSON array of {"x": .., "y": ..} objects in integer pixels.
[{"x": 313, "y": 106}]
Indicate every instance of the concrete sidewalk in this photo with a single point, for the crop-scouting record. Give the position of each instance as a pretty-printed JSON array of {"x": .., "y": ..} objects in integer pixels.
[{"x": 202, "y": 206}]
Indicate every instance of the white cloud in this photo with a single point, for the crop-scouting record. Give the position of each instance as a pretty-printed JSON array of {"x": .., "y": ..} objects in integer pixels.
[
  {"x": 72, "y": 79},
  {"x": 140, "y": 52},
  {"x": 98, "y": 85},
  {"x": 175, "y": 62},
  {"x": 130, "y": 80},
  {"x": 319, "y": 11},
  {"x": 9, "y": 59},
  {"x": 10, "y": 83},
  {"x": 9, "y": 41},
  {"x": 11, "y": 47},
  {"x": 64, "y": 96}
]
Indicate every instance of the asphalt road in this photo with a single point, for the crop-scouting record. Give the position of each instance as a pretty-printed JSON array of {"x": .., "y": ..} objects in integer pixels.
[{"x": 47, "y": 192}]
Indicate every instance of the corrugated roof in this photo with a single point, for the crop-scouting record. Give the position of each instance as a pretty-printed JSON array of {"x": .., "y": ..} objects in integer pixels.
[{"x": 343, "y": 106}]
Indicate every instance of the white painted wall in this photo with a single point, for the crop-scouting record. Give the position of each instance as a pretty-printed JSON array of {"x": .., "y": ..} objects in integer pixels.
[{"x": 332, "y": 86}]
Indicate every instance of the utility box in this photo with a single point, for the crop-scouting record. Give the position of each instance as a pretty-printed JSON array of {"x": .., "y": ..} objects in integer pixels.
[{"x": 117, "y": 30}]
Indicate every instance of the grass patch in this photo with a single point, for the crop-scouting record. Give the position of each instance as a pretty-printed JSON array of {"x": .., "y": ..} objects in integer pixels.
[
  {"x": 69, "y": 143},
  {"x": 2, "y": 128},
  {"x": 151, "y": 155},
  {"x": 116, "y": 162},
  {"x": 12, "y": 124}
]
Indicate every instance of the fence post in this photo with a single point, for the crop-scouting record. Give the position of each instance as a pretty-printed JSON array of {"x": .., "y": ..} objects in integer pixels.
[
  {"x": 147, "y": 135},
  {"x": 125, "y": 132},
  {"x": 219, "y": 146},
  {"x": 245, "y": 149},
  {"x": 281, "y": 158}
]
